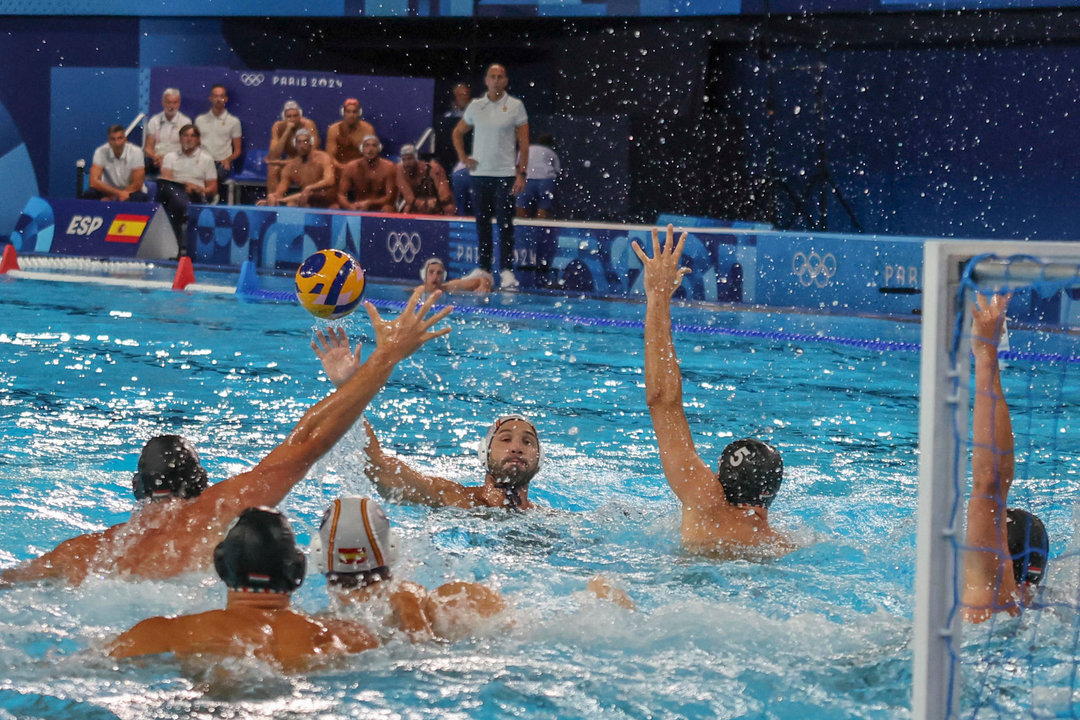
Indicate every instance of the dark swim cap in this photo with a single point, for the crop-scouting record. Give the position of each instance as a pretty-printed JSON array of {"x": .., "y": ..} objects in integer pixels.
[
  {"x": 750, "y": 472},
  {"x": 168, "y": 467},
  {"x": 1029, "y": 545},
  {"x": 259, "y": 553}
]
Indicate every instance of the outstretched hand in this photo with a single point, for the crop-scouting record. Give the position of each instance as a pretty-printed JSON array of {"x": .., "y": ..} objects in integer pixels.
[
  {"x": 987, "y": 320},
  {"x": 339, "y": 361},
  {"x": 663, "y": 275},
  {"x": 401, "y": 337}
]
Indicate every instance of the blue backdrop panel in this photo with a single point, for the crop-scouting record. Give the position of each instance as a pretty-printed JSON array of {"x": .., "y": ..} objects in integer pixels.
[
  {"x": 830, "y": 272},
  {"x": 193, "y": 8},
  {"x": 62, "y": 226},
  {"x": 183, "y": 41},
  {"x": 399, "y": 108},
  {"x": 85, "y": 102},
  {"x": 397, "y": 247}
]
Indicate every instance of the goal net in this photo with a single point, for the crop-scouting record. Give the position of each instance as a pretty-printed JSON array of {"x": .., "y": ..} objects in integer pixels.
[{"x": 1008, "y": 665}]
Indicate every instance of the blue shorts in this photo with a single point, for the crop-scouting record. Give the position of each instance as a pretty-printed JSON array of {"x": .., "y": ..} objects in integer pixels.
[{"x": 542, "y": 192}]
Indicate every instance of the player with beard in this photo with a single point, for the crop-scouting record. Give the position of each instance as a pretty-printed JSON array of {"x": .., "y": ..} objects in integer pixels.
[{"x": 510, "y": 453}]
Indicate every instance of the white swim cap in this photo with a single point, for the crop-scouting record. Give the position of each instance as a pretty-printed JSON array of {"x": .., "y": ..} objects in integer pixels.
[
  {"x": 431, "y": 261},
  {"x": 484, "y": 450},
  {"x": 354, "y": 537}
]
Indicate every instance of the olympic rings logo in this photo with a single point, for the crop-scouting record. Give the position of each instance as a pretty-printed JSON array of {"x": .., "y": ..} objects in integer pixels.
[
  {"x": 403, "y": 246},
  {"x": 252, "y": 79},
  {"x": 813, "y": 269}
]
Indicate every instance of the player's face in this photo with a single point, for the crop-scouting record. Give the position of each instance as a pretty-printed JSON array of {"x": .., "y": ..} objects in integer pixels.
[
  {"x": 351, "y": 114},
  {"x": 496, "y": 79},
  {"x": 218, "y": 98},
  {"x": 170, "y": 104},
  {"x": 409, "y": 163},
  {"x": 292, "y": 115},
  {"x": 189, "y": 141},
  {"x": 303, "y": 145},
  {"x": 117, "y": 140},
  {"x": 434, "y": 275},
  {"x": 515, "y": 452},
  {"x": 461, "y": 96},
  {"x": 370, "y": 149}
]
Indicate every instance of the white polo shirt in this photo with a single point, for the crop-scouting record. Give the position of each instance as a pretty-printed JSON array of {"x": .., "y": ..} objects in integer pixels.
[
  {"x": 197, "y": 167},
  {"x": 166, "y": 133},
  {"x": 495, "y": 127},
  {"x": 116, "y": 171},
  {"x": 218, "y": 133}
]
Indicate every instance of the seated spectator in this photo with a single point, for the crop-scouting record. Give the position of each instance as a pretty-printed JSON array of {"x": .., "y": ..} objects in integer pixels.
[
  {"x": 423, "y": 185},
  {"x": 162, "y": 133},
  {"x": 433, "y": 273},
  {"x": 261, "y": 566},
  {"x": 118, "y": 170},
  {"x": 192, "y": 177},
  {"x": 282, "y": 147},
  {"x": 370, "y": 182},
  {"x": 540, "y": 183},
  {"x": 311, "y": 171},
  {"x": 462, "y": 98},
  {"x": 220, "y": 132},
  {"x": 343, "y": 138}
]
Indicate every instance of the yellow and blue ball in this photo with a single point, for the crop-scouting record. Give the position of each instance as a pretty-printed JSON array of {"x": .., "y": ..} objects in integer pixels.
[{"x": 329, "y": 284}]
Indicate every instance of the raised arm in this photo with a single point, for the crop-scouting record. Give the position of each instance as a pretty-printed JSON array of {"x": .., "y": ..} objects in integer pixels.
[
  {"x": 690, "y": 478},
  {"x": 325, "y": 423},
  {"x": 989, "y": 584},
  {"x": 394, "y": 479}
]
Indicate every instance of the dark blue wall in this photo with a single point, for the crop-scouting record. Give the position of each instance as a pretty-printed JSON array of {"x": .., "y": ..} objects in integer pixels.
[{"x": 958, "y": 125}]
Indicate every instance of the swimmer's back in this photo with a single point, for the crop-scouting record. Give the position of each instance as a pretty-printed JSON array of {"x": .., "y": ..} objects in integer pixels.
[
  {"x": 286, "y": 638},
  {"x": 724, "y": 531}
]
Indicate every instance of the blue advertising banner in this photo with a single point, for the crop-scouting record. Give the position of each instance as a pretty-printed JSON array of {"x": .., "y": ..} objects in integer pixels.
[
  {"x": 92, "y": 228},
  {"x": 399, "y": 108}
]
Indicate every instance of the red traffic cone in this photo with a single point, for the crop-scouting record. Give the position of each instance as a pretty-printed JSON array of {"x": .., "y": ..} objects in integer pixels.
[
  {"x": 10, "y": 260},
  {"x": 185, "y": 274}
]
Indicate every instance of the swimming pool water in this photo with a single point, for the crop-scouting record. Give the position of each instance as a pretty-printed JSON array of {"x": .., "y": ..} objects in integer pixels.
[{"x": 88, "y": 373}]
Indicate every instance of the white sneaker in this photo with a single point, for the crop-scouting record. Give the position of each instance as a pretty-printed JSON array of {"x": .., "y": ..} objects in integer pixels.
[{"x": 507, "y": 281}]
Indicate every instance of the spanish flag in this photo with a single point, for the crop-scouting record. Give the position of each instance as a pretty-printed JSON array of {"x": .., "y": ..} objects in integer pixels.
[
  {"x": 351, "y": 556},
  {"x": 127, "y": 228}
]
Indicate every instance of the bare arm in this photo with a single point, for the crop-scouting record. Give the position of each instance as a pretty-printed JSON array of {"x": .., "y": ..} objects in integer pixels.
[
  {"x": 405, "y": 190},
  {"x": 343, "y": 189},
  {"x": 392, "y": 477},
  {"x": 332, "y": 141},
  {"x": 690, "y": 478},
  {"x": 67, "y": 561},
  {"x": 96, "y": 183},
  {"x": 138, "y": 175},
  {"x": 989, "y": 584},
  {"x": 522, "y": 133},
  {"x": 149, "y": 148},
  {"x": 460, "y": 130},
  {"x": 325, "y": 423}
]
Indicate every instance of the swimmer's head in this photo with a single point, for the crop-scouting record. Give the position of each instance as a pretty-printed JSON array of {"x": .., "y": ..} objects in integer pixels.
[
  {"x": 1029, "y": 545},
  {"x": 168, "y": 468},
  {"x": 355, "y": 545},
  {"x": 291, "y": 111},
  {"x": 437, "y": 270},
  {"x": 259, "y": 553},
  {"x": 511, "y": 451},
  {"x": 370, "y": 147},
  {"x": 750, "y": 472},
  {"x": 351, "y": 110}
]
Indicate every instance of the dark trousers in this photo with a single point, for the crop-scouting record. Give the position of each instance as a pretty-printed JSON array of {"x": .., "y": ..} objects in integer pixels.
[
  {"x": 175, "y": 200},
  {"x": 462, "y": 184},
  {"x": 491, "y": 198}
]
